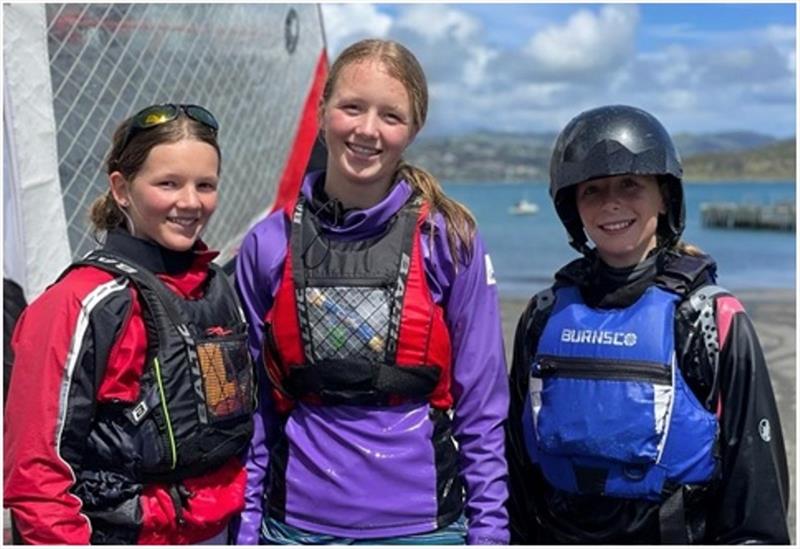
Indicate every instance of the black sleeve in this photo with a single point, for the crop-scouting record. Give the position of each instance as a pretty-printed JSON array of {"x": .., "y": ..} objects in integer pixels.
[
  {"x": 521, "y": 477},
  {"x": 751, "y": 503},
  {"x": 13, "y": 304}
]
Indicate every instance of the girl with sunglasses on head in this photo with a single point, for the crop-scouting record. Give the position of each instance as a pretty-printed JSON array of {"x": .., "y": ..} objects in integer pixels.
[
  {"x": 132, "y": 391},
  {"x": 641, "y": 406},
  {"x": 375, "y": 324}
]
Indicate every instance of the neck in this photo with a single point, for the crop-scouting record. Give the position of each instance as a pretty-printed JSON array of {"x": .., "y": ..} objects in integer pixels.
[
  {"x": 355, "y": 195},
  {"x": 629, "y": 260}
]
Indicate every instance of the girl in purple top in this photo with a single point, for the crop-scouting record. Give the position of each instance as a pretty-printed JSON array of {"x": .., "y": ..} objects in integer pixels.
[{"x": 354, "y": 442}]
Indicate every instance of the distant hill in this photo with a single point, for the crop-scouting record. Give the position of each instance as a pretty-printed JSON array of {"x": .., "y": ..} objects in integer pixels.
[
  {"x": 497, "y": 156},
  {"x": 771, "y": 162},
  {"x": 691, "y": 144}
]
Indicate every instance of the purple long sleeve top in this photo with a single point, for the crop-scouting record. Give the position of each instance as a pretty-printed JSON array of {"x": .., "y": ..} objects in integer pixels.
[{"x": 369, "y": 472}]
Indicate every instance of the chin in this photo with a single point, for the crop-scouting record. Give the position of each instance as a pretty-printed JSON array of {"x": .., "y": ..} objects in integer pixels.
[{"x": 178, "y": 244}]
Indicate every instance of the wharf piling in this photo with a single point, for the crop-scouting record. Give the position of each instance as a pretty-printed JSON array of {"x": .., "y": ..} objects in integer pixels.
[{"x": 731, "y": 215}]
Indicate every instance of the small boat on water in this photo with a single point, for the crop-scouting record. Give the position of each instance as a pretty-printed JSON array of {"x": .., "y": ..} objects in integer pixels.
[{"x": 523, "y": 207}]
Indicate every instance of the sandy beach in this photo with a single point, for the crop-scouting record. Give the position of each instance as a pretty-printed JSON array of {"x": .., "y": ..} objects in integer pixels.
[{"x": 773, "y": 315}]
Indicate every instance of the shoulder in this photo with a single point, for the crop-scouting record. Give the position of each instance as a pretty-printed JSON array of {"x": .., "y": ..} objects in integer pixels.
[
  {"x": 436, "y": 224},
  {"x": 684, "y": 273},
  {"x": 80, "y": 284},
  {"x": 537, "y": 311},
  {"x": 267, "y": 239},
  {"x": 76, "y": 299},
  {"x": 276, "y": 223},
  {"x": 262, "y": 256}
]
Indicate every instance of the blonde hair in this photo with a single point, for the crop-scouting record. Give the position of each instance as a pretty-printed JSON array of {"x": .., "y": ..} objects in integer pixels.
[
  {"x": 401, "y": 65},
  {"x": 685, "y": 248},
  {"x": 128, "y": 158}
]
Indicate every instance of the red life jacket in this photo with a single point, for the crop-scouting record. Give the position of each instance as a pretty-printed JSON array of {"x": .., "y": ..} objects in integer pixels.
[{"x": 355, "y": 322}]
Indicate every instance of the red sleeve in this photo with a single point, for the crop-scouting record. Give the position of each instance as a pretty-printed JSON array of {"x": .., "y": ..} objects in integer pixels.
[
  {"x": 210, "y": 501},
  {"x": 50, "y": 344}
]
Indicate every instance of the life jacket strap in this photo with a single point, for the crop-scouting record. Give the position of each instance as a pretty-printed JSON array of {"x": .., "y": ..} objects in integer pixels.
[
  {"x": 361, "y": 382},
  {"x": 672, "y": 519}
]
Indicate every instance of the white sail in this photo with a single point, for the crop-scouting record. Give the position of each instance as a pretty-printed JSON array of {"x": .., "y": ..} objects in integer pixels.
[{"x": 76, "y": 70}]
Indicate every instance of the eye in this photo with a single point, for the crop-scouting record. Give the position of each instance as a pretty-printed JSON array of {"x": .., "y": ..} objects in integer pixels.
[
  {"x": 207, "y": 186},
  {"x": 167, "y": 184},
  {"x": 630, "y": 183},
  {"x": 350, "y": 108},
  {"x": 589, "y": 190},
  {"x": 393, "y": 118}
]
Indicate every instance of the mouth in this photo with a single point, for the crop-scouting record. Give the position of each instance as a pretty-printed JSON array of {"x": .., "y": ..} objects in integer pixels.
[
  {"x": 616, "y": 226},
  {"x": 184, "y": 222},
  {"x": 362, "y": 151}
]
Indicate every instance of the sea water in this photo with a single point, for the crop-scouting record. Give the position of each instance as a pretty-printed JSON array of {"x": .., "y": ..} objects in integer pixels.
[{"x": 526, "y": 250}]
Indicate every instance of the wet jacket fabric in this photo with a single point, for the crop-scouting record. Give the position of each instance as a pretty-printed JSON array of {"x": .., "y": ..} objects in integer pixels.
[
  {"x": 81, "y": 349},
  {"x": 373, "y": 472},
  {"x": 746, "y": 499}
]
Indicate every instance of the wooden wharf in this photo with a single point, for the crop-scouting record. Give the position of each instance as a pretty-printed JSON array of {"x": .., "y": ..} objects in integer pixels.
[{"x": 731, "y": 215}]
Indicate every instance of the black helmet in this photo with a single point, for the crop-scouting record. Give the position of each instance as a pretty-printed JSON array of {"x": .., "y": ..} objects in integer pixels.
[{"x": 615, "y": 140}]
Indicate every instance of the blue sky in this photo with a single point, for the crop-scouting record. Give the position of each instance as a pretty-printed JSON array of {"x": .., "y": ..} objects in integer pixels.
[{"x": 531, "y": 67}]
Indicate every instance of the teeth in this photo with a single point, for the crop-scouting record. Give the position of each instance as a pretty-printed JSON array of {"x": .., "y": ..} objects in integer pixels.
[
  {"x": 183, "y": 221},
  {"x": 362, "y": 150},
  {"x": 616, "y": 226}
]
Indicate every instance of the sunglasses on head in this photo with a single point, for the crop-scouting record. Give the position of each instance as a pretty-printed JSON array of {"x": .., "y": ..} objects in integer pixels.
[{"x": 155, "y": 115}]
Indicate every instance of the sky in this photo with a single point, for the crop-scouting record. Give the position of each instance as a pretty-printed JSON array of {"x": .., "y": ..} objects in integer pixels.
[{"x": 700, "y": 68}]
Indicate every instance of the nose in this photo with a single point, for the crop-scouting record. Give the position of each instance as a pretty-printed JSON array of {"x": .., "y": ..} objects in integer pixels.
[
  {"x": 369, "y": 124},
  {"x": 611, "y": 200},
  {"x": 188, "y": 198}
]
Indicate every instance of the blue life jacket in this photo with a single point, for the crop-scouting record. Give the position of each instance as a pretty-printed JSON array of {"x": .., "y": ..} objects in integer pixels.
[{"x": 608, "y": 411}]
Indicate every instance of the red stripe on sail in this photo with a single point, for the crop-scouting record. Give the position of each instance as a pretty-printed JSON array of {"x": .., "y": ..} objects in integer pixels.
[{"x": 295, "y": 166}]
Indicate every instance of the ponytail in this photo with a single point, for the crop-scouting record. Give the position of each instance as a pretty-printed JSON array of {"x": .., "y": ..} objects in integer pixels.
[
  {"x": 105, "y": 214},
  {"x": 459, "y": 221},
  {"x": 685, "y": 248}
]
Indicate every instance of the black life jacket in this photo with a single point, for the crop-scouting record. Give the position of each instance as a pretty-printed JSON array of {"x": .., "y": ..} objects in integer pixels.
[
  {"x": 354, "y": 321},
  {"x": 197, "y": 390}
]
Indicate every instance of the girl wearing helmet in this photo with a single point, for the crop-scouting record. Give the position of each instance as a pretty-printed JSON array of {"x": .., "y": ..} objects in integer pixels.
[{"x": 641, "y": 407}]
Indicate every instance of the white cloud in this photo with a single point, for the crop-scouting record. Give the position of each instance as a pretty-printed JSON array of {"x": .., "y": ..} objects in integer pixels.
[
  {"x": 346, "y": 23},
  {"x": 588, "y": 41},
  {"x": 476, "y": 65},
  {"x": 780, "y": 33},
  {"x": 436, "y": 22},
  {"x": 699, "y": 79}
]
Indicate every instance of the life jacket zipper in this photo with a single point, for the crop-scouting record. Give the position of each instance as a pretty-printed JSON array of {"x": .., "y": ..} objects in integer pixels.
[{"x": 548, "y": 366}]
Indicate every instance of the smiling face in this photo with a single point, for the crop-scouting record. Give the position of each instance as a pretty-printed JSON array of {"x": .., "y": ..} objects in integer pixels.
[
  {"x": 620, "y": 215},
  {"x": 173, "y": 195},
  {"x": 367, "y": 124}
]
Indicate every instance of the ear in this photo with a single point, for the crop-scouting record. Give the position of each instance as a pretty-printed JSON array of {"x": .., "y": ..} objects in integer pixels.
[
  {"x": 321, "y": 119},
  {"x": 119, "y": 189}
]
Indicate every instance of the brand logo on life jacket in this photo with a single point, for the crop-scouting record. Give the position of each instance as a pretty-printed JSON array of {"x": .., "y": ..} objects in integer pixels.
[
  {"x": 298, "y": 214},
  {"x": 598, "y": 337},
  {"x": 399, "y": 292},
  {"x": 194, "y": 365},
  {"x": 305, "y": 328},
  {"x": 118, "y": 264},
  {"x": 218, "y": 331}
]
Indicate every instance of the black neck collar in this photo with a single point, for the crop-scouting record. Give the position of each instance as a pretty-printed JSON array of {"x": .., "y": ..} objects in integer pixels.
[{"x": 151, "y": 256}]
